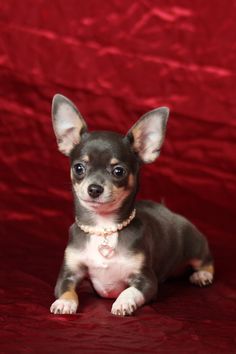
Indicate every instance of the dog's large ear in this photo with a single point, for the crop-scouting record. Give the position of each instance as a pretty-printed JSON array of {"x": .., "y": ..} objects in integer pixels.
[
  {"x": 67, "y": 122},
  {"x": 148, "y": 134}
]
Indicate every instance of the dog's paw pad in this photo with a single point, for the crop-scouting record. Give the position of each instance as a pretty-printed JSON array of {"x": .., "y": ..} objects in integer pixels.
[
  {"x": 123, "y": 308},
  {"x": 201, "y": 278},
  {"x": 64, "y": 307}
]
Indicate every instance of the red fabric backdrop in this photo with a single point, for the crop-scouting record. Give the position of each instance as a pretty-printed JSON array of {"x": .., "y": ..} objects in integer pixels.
[{"x": 116, "y": 60}]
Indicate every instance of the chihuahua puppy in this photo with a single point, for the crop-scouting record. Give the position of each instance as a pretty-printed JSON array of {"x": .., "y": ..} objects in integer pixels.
[{"x": 125, "y": 248}]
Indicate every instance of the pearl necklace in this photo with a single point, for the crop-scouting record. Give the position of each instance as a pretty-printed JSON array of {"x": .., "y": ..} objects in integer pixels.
[{"x": 104, "y": 248}]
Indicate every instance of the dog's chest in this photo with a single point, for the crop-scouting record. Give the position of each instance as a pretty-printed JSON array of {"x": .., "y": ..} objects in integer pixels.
[{"x": 109, "y": 275}]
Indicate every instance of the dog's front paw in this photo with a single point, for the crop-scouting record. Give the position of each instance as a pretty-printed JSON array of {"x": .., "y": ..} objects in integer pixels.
[
  {"x": 123, "y": 307},
  {"x": 64, "y": 307},
  {"x": 127, "y": 302}
]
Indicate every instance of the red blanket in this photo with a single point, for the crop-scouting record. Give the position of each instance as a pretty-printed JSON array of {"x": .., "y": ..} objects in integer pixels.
[{"x": 116, "y": 60}]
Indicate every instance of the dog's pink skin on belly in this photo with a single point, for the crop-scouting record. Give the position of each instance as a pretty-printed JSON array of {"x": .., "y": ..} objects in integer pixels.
[{"x": 111, "y": 291}]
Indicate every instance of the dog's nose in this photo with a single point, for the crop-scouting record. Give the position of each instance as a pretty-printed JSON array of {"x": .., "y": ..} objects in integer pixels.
[{"x": 94, "y": 190}]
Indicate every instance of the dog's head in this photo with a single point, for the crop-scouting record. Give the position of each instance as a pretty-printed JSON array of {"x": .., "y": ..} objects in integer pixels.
[{"x": 105, "y": 165}]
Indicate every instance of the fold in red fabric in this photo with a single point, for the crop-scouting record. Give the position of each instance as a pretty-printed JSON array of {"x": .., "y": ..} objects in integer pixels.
[{"x": 116, "y": 60}]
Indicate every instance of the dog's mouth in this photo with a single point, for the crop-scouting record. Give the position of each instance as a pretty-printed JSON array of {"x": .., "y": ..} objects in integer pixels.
[
  {"x": 105, "y": 203},
  {"x": 96, "y": 202}
]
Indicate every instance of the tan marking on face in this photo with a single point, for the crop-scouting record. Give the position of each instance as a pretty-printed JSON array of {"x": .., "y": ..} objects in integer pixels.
[
  {"x": 85, "y": 158},
  {"x": 131, "y": 181},
  {"x": 116, "y": 190},
  {"x": 119, "y": 193},
  {"x": 73, "y": 178},
  {"x": 114, "y": 161}
]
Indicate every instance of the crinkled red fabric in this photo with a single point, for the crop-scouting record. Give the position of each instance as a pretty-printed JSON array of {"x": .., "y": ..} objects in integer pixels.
[{"x": 116, "y": 60}]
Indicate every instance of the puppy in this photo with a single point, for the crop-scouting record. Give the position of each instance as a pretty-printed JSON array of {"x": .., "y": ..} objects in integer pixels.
[{"x": 125, "y": 248}]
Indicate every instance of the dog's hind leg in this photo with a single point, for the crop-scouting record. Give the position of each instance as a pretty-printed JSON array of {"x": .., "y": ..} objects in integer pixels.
[
  {"x": 203, "y": 274},
  {"x": 198, "y": 256}
]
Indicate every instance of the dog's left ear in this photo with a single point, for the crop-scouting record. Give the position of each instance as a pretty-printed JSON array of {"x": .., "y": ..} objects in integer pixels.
[
  {"x": 148, "y": 134},
  {"x": 67, "y": 122}
]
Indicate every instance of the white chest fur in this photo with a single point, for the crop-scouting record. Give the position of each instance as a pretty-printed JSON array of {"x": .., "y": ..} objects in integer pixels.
[{"x": 109, "y": 276}]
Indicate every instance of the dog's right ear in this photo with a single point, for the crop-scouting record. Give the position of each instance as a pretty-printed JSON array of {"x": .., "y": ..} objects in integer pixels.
[
  {"x": 147, "y": 135},
  {"x": 68, "y": 124}
]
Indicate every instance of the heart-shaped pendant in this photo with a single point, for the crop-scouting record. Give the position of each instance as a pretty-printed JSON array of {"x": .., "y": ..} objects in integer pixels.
[{"x": 106, "y": 251}]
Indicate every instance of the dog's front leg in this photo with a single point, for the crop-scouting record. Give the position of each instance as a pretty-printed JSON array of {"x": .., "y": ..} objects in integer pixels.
[
  {"x": 67, "y": 300},
  {"x": 143, "y": 287}
]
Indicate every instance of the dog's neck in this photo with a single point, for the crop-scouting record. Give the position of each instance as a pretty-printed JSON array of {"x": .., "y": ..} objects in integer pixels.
[{"x": 106, "y": 231}]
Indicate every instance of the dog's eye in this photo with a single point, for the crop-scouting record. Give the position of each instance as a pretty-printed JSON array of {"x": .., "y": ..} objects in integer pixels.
[
  {"x": 79, "y": 169},
  {"x": 119, "y": 171}
]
